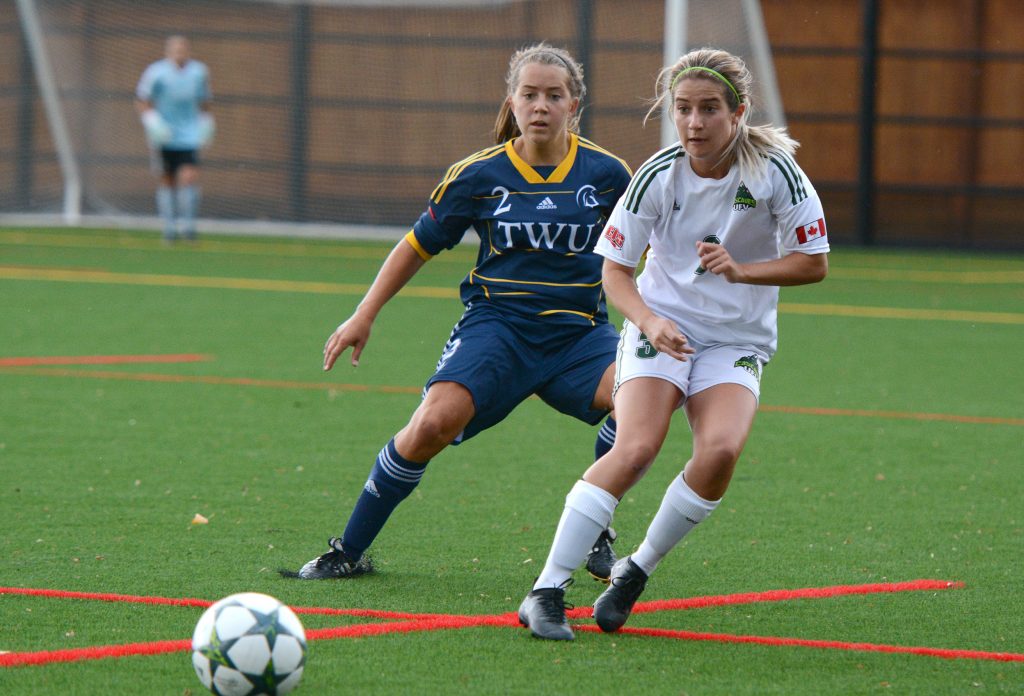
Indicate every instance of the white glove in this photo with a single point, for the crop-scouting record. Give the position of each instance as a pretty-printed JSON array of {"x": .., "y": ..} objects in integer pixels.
[
  {"x": 157, "y": 130},
  {"x": 207, "y": 128}
]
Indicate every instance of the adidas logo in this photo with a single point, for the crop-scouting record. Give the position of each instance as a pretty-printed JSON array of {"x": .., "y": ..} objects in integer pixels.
[
  {"x": 546, "y": 204},
  {"x": 371, "y": 488}
]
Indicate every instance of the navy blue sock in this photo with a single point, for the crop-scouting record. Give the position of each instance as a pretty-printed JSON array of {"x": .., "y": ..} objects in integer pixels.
[
  {"x": 391, "y": 481},
  {"x": 605, "y": 438}
]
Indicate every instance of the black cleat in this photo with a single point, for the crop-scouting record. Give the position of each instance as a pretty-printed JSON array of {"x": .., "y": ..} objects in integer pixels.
[
  {"x": 543, "y": 612},
  {"x": 601, "y": 557},
  {"x": 336, "y": 563},
  {"x": 612, "y": 608}
]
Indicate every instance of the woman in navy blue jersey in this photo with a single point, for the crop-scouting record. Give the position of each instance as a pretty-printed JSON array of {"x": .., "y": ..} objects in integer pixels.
[{"x": 535, "y": 319}]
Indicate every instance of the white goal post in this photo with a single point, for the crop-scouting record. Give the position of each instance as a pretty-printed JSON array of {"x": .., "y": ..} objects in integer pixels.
[
  {"x": 736, "y": 26},
  {"x": 72, "y": 208}
]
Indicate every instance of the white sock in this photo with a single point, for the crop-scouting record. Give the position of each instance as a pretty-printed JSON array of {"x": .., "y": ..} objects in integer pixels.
[
  {"x": 588, "y": 512},
  {"x": 188, "y": 208},
  {"x": 165, "y": 209},
  {"x": 681, "y": 510}
]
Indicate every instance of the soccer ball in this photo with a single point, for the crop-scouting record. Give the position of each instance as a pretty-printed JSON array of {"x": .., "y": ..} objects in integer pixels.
[{"x": 249, "y": 643}]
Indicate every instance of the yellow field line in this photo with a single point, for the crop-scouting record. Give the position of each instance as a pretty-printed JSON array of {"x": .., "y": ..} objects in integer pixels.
[
  {"x": 217, "y": 246},
  {"x": 300, "y": 250},
  {"x": 271, "y": 285},
  {"x": 902, "y": 313},
  {"x": 181, "y": 281},
  {"x": 910, "y": 276}
]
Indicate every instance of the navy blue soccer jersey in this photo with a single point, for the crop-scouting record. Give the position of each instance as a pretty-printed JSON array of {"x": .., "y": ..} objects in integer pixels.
[{"x": 537, "y": 227}]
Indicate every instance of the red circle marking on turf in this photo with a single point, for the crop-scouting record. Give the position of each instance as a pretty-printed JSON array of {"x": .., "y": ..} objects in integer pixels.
[{"x": 406, "y": 622}]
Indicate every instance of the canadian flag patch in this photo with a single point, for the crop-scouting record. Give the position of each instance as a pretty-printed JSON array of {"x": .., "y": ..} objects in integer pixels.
[
  {"x": 613, "y": 235},
  {"x": 810, "y": 231}
]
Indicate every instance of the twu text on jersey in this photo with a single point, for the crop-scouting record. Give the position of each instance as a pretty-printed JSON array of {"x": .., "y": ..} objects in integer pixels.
[{"x": 537, "y": 228}]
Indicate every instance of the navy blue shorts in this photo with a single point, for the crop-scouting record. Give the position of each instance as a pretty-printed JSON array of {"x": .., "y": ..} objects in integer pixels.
[
  {"x": 501, "y": 368},
  {"x": 174, "y": 159}
]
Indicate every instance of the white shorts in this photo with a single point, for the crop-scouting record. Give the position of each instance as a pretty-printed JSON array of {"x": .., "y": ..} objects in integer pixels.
[{"x": 722, "y": 363}]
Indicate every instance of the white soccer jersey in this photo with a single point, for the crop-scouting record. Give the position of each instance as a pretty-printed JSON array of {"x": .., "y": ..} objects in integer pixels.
[{"x": 670, "y": 208}]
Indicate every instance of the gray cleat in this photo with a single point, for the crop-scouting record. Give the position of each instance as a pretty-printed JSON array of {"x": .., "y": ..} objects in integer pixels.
[
  {"x": 612, "y": 608},
  {"x": 543, "y": 612}
]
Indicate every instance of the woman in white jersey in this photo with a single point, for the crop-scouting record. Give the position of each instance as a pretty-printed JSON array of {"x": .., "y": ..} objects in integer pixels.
[{"x": 726, "y": 217}]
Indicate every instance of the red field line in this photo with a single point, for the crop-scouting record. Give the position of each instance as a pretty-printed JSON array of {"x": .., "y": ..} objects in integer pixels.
[
  {"x": 103, "y": 359},
  {"x": 385, "y": 389},
  {"x": 900, "y": 415},
  {"x": 411, "y": 623},
  {"x": 945, "y": 653},
  {"x": 201, "y": 603},
  {"x": 46, "y": 657},
  {"x": 787, "y": 595},
  {"x": 105, "y": 597},
  {"x": 208, "y": 379},
  {"x": 440, "y": 622}
]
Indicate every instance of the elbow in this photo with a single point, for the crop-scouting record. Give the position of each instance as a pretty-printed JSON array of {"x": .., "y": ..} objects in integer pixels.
[{"x": 819, "y": 270}]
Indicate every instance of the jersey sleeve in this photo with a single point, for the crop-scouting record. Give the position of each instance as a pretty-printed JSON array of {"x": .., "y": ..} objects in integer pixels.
[
  {"x": 796, "y": 207},
  {"x": 147, "y": 83},
  {"x": 619, "y": 179},
  {"x": 448, "y": 215},
  {"x": 628, "y": 232},
  {"x": 203, "y": 93}
]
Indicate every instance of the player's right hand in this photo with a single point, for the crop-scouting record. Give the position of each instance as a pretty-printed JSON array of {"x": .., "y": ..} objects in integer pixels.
[
  {"x": 157, "y": 131},
  {"x": 353, "y": 333},
  {"x": 666, "y": 338}
]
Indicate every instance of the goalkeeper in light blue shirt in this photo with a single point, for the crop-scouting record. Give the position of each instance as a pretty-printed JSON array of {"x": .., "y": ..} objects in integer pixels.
[{"x": 172, "y": 99}]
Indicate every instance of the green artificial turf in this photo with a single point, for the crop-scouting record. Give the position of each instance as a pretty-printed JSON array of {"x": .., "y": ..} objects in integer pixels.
[{"x": 889, "y": 449}]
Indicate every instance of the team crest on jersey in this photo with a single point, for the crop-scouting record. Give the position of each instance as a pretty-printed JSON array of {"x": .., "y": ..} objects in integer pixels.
[
  {"x": 585, "y": 197},
  {"x": 744, "y": 199},
  {"x": 750, "y": 364},
  {"x": 613, "y": 235}
]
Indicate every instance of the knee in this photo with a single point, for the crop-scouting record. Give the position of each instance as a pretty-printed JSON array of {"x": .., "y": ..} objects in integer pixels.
[
  {"x": 635, "y": 456},
  {"x": 187, "y": 176},
  {"x": 433, "y": 428},
  {"x": 720, "y": 452}
]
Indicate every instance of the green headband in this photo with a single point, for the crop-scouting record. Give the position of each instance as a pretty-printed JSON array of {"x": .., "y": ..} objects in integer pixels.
[{"x": 717, "y": 74}]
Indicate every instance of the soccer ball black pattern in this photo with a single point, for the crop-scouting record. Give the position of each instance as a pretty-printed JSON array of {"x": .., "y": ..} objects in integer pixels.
[{"x": 249, "y": 643}]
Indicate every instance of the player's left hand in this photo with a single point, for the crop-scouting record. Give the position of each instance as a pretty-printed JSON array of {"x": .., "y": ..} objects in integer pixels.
[
  {"x": 207, "y": 129},
  {"x": 717, "y": 259}
]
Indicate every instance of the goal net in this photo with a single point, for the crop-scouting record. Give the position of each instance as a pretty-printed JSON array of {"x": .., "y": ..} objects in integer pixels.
[{"x": 336, "y": 112}]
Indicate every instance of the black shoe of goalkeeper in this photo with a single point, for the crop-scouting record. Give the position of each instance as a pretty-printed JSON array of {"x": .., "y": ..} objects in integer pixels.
[
  {"x": 543, "y": 612},
  {"x": 614, "y": 605},
  {"x": 336, "y": 563},
  {"x": 601, "y": 557}
]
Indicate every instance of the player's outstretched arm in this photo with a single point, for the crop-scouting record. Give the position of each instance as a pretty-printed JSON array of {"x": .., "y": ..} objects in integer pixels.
[
  {"x": 401, "y": 265},
  {"x": 661, "y": 333}
]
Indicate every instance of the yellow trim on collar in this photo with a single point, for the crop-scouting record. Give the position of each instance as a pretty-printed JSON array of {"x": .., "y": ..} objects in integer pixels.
[{"x": 531, "y": 175}]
